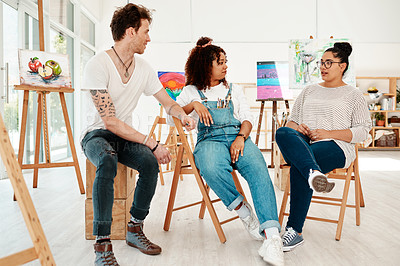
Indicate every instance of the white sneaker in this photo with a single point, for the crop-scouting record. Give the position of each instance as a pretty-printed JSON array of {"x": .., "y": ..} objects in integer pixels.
[
  {"x": 319, "y": 182},
  {"x": 271, "y": 251},
  {"x": 251, "y": 223}
]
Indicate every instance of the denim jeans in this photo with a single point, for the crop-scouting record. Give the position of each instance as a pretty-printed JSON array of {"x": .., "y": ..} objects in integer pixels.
[
  {"x": 105, "y": 149},
  {"x": 213, "y": 159},
  {"x": 302, "y": 155}
]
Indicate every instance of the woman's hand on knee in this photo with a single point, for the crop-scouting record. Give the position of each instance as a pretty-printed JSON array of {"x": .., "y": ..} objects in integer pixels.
[
  {"x": 304, "y": 129},
  {"x": 236, "y": 149}
]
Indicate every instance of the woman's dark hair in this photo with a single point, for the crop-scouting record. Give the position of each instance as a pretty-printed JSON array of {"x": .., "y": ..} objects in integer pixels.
[
  {"x": 341, "y": 50},
  {"x": 128, "y": 16},
  {"x": 198, "y": 66}
]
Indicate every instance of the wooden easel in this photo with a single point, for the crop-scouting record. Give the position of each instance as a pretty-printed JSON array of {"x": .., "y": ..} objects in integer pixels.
[
  {"x": 41, "y": 249},
  {"x": 42, "y": 115},
  {"x": 274, "y": 114}
]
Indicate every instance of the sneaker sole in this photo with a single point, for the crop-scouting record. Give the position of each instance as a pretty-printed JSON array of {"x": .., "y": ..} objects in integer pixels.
[
  {"x": 290, "y": 248},
  {"x": 321, "y": 184},
  {"x": 147, "y": 252}
]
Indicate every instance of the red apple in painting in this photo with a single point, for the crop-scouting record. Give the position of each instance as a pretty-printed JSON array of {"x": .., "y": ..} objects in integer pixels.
[
  {"x": 45, "y": 72},
  {"x": 34, "y": 64}
]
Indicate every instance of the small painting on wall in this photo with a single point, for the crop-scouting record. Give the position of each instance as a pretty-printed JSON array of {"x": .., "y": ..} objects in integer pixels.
[
  {"x": 273, "y": 80},
  {"x": 303, "y": 57},
  {"x": 38, "y": 68},
  {"x": 173, "y": 82}
]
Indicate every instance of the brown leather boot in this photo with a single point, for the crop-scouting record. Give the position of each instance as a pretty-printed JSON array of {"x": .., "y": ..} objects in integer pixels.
[
  {"x": 136, "y": 238},
  {"x": 104, "y": 254}
]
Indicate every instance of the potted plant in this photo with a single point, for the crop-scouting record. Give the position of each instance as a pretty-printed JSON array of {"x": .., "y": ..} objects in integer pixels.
[
  {"x": 380, "y": 119},
  {"x": 398, "y": 98}
]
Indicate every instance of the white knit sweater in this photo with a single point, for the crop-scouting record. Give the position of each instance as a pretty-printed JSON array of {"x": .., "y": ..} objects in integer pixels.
[{"x": 334, "y": 109}]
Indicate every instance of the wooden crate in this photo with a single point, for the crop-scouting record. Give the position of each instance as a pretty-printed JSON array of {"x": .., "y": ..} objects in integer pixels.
[
  {"x": 120, "y": 218},
  {"x": 124, "y": 182},
  {"x": 281, "y": 171}
]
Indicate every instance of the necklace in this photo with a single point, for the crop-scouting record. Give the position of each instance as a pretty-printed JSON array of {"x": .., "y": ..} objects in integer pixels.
[{"x": 126, "y": 67}]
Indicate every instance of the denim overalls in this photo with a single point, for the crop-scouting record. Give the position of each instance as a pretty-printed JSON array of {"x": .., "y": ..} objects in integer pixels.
[{"x": 213, "y": 159}]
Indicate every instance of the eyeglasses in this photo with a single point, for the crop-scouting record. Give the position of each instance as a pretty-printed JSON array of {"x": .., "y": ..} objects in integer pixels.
[{"x": 326, "y": 64}]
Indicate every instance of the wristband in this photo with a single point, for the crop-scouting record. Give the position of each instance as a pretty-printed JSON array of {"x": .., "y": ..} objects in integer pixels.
[
  {"x": 242, "y": 135},
  {"x": 154, "y": 149},
  {"x": 145, "y": 139}
]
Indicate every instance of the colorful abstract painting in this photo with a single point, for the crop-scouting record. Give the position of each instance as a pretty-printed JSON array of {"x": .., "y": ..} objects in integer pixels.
[
  {"x": 303, "y": 57},
  {"x": 38, "y": 68},
  {"x": 273, "y": 80},
  {"x": 173, "y": 82}
]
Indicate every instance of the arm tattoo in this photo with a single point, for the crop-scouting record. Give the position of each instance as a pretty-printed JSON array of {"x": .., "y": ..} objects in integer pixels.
[{"x": 103, "y": 103}]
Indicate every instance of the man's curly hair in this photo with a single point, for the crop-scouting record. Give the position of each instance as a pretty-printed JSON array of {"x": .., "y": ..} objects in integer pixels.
[
  {"x": 128, "y": 16},
  {"x": 198, "y": 66}
]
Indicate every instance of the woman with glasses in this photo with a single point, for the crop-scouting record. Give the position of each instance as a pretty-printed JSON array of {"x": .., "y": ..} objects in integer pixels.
[
  {"x": 326, "y": 122},
  {"x": 223, "y": 144}
]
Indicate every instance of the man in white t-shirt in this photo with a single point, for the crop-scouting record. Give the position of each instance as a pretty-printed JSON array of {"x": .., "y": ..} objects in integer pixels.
[{"x": 116, "y": 79}]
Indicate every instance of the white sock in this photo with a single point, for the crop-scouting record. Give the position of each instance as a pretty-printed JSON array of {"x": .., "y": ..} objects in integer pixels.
[
  {"x": 270, "y": 232},
  {"x": 243, "y": 211},
  {"x": 137, "y": 221}
]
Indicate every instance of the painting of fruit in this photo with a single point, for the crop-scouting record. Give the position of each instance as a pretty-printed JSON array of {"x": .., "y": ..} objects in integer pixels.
[
  {"x": 34, "y": 64},
  {"x": 38, "y": 68}
]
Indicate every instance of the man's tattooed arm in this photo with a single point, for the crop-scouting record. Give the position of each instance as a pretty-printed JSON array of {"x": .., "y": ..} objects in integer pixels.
[{"x": 103, "y": 103}]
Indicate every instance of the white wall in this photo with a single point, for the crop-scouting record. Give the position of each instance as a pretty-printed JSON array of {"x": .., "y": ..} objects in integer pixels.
[{"x": 251, "y": 31}]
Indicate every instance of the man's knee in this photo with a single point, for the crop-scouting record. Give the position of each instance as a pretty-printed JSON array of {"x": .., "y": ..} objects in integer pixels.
[
  {"x": 149, "y": 165},
  {"x": 108, "y": 162}
]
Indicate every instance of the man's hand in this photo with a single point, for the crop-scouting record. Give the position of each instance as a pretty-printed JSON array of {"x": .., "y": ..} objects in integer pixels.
[
  {"x": 162, "y": 154},
  {"x": 204, "y": 116},
  {"x": 237, "y": 149},
  {"x": 188, "y": 122},
  {"x": 319, "y": 134},
  {"x": 304, "y": 129}
]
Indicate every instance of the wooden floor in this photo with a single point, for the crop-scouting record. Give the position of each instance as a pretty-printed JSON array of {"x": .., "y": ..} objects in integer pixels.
[{"x": 192, "y": 241}]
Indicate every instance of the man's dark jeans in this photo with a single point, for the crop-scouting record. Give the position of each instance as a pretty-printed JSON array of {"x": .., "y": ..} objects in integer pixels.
[{"x": 105, "y": 149}]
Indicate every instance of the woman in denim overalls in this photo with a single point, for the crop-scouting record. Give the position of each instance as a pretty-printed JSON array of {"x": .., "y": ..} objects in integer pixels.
[{"x": 223, "y": 145}]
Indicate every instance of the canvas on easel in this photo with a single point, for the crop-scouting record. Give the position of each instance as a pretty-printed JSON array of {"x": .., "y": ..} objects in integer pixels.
[
  {"x": 272, "y": 85},
  {"x": 38, "y": 68},
  {"x": 303, "y": 57},
  {"x": 273, "y": 80}
]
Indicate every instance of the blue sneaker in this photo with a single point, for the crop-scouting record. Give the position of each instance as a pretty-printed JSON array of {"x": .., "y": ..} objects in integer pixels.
[
  {"x": 104, "y": 254},
  {"x": 291, "y": 239},
  {"x": 136, "y": 238}
]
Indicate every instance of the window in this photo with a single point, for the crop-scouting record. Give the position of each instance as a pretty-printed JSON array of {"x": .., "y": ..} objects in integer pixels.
[
  {"x": 87, "y": 30},
  {"x": 62, "y": 11},
  {"x": 59, "y": 147}
]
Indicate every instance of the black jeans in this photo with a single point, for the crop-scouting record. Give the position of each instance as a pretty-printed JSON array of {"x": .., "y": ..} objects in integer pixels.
[{"x": 105, "y": 149}]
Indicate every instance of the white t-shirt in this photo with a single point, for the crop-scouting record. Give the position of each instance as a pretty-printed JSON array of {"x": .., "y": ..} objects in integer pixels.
[
  {"x": 241, "y": 110},
  {"x": 101, "y": 74}
]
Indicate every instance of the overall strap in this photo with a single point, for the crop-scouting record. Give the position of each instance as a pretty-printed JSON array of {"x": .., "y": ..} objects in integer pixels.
[
  {"x": 229, "y": 91},
  {"x": 202, "y": 96}
]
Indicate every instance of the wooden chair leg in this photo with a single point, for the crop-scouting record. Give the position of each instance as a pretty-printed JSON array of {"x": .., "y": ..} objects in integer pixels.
[
  {"x": 344, "y": 203},
  {"x": 284, "y": 201},
  {"x": 203, "y": 204},
  {"x": 174, "y": 187},
  {"x": 357, "y": 189}
]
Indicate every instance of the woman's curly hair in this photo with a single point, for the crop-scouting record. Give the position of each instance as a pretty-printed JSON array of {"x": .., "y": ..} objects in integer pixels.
[
  {"x": 198, "y": 66},
  {"x": 128, "y": 16}
]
